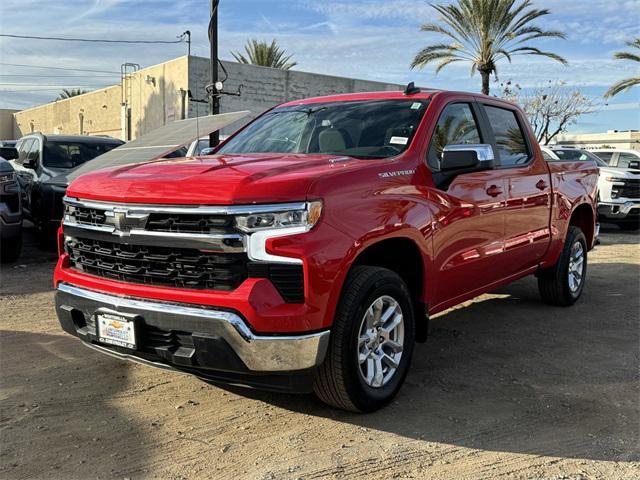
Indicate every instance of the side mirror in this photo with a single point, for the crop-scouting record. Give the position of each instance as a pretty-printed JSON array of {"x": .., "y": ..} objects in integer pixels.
[
  {"x": 207, "y": 151},
  {"x": 9, "y": 153},
  {"x": 29, "y": 163},
  {"x": 472, "y": 157},
  {"x": 633, "y": 164}
]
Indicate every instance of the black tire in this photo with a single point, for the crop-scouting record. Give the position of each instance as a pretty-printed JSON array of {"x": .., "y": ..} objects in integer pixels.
[
  {"x": 46, "y": 234},
  {"x": 554, "y": 283},
  {"x": 629, "y": 226},
  {"x": 339, "y": 381},
  {"x": 11, "y": 248}
]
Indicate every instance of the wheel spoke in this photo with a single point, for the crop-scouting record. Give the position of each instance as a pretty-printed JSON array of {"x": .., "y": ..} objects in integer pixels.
[
  {"x": 370, "y": 370},
  {"x": 390, "y": 361},
  {"x": 377, "y": 311},
  {"x": 392, "y": 324},
  {"x": 362, "y": 357},
  {"x": 379, "y": 375}
]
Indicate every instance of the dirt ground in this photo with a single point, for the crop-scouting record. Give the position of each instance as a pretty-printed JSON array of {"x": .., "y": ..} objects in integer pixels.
[{"x": 505, "y": 388}]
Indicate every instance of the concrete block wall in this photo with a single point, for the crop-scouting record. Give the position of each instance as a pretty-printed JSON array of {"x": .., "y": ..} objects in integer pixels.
[{"x": 264, "y": 87}]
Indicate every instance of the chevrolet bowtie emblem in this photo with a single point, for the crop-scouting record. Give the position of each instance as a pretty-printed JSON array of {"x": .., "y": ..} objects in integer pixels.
[{"x": 124, "y": 221}]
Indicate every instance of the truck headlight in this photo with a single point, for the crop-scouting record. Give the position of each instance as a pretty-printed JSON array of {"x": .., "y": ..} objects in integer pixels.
[
  {"x": 306, "y": 217},
  {"x": 264, "y": 226},
  {"x": 614, "y": 179}
]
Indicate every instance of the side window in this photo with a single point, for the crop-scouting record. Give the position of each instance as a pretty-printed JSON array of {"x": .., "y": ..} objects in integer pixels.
[
  {"x": 456, "y": 126},
  {"x": 605, "y": 156},
  {"x": 624, "y": 159},
  {"x": 547, "y": 157},
  {"x": 510, "y": 140},
  {"x": 34, "y": 152},
  {"x": 23, "y": 150}
]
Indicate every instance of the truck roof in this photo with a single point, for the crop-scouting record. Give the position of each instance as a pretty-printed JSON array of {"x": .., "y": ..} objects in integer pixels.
[
  {"x": 346, "y": 97},
  {"x": 422, "y": 94}
]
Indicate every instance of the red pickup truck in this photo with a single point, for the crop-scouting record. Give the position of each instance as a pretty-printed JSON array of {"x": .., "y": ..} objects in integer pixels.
[{"x": 308, "y": 252}]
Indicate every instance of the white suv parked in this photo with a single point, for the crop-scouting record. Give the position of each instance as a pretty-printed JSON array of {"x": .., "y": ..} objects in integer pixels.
[{"x": 619, "y": 188}]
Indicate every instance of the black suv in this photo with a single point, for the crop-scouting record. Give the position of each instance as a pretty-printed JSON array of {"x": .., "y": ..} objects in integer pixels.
[
  {"x": 10, "y": 212},
  {"x": 42, "y": 166}
]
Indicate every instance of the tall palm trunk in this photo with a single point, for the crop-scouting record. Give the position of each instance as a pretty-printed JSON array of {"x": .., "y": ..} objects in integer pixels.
[{"x": 485, "y": 74}]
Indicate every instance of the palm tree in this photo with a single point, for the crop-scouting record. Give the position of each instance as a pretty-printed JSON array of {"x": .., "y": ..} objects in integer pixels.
[
  {"x": 263, "y": 54},
  {"x": 627, "y": 83},
  {"x": 483, "y": 32},
  {"x": 70, "y": 92}
]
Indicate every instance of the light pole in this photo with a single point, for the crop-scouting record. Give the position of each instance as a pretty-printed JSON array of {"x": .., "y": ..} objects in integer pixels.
[{"x": 214, "y": 101}]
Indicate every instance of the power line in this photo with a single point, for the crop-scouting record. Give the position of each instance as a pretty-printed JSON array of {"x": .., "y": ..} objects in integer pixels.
[
  {"x": 76, "y": 85},
  {"x": 58, "y": 68},
  {"x": 94, "y": 40},
  {"x": 32, "y": 75}
]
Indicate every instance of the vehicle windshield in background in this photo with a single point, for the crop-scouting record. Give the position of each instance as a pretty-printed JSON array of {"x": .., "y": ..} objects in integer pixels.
[
  {"x": 579, "y": 155},
  {"x": 72, "y": 154},
  {"x": 361, "y": 129}
]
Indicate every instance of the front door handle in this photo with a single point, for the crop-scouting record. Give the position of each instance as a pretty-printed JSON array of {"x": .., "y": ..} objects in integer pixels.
[
  {"x": 541, "y": 185},
  {"x": 494, "y": 191}
]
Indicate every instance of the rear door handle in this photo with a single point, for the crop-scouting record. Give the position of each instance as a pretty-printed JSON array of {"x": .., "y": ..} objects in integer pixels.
[
  {"x": 541, "y": 185},
  {"x": 494, "y": 191}
]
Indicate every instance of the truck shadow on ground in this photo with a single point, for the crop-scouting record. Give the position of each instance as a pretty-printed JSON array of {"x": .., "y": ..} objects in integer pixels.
[
  {"x": 56, "y": 428},
  {"x": 508, "y": 373}
]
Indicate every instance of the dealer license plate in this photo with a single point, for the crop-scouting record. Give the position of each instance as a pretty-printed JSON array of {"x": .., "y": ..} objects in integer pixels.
[{"x": 116, "y": 329}]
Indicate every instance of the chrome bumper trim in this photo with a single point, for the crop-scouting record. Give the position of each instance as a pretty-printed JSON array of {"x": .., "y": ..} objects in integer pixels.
[{"x": 258, "y": 352}]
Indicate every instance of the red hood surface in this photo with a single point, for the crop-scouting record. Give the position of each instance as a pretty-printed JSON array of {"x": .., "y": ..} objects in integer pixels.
[{"x": 212, "y": 180}]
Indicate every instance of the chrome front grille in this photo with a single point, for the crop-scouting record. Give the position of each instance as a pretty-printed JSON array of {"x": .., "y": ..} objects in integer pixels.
[
  {"x": 173, "y": 246},
  {"x": 153, "y": 265}
]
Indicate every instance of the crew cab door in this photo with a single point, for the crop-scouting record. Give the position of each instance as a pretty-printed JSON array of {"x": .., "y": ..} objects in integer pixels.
[
  {"x": 468, "y": 231},
  {"x": 528, "y": 187}
]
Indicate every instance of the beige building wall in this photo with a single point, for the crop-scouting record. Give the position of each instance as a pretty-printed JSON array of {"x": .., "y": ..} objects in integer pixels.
[
  {"x": 627, "y": 140},
  {"x": 152, "y": 94},
  {"x": 6, "y": 123}
]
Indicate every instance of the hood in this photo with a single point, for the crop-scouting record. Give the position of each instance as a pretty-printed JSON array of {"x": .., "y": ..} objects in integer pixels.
[
  {"x": 212, "y": 180},
  {"x": 619, "y": 172}
]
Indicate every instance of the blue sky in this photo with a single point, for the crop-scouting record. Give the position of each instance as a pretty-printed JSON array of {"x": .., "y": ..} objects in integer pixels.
[{"x": 371, "y": 39}]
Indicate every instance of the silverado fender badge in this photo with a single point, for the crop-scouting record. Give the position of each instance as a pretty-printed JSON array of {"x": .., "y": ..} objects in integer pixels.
[{"x": 397, "y": 173}]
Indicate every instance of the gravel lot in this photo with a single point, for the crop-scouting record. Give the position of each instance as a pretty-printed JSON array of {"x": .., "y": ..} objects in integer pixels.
[{"x": 504, "y": 388}]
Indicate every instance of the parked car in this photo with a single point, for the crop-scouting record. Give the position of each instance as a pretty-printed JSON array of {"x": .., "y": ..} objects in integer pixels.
[
  {"x": 619, "y": 188},
  {"x": 10, "y": 208},
  {"x": 619, "y": 158},
  {"x": 42, "y": 165},
  {"x": 308, "y": 253}
]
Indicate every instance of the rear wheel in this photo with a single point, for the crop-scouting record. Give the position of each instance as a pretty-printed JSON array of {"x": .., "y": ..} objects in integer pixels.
[
  {"x": 371, "y": 342},
  {"x": 563, "y": 283}
]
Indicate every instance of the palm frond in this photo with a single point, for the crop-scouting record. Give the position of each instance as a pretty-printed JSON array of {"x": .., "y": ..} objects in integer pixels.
[{"x": 622, "y": 86}]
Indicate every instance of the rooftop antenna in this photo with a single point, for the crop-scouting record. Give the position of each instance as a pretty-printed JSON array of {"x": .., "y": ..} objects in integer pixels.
[{"x": 411, "y": 89}]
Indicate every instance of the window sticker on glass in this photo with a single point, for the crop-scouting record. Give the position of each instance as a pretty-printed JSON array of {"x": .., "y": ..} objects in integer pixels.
[
  {"x": 399, "y": 140},
  {"x": 416, "y": 106}
]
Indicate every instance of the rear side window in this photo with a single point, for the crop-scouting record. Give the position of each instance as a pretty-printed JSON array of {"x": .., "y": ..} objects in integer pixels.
[
  {"x": 606, "y": 156},
  {"x": 60, "y": 154},
  {"x": 456, "y": 126},
  {"x": 510, "y": 140},
  {"x": 624, "y": 160}
]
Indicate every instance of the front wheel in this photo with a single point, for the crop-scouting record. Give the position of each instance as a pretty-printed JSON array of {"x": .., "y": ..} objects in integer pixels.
[
  {"x": 371, "y": 342},
  {"x": 563, "y": 283}
]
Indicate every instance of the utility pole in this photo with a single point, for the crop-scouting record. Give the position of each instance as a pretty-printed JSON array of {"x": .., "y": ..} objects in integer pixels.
[
  {"x": 214, "y": 99},
  {"x": 187, "y": 34}
]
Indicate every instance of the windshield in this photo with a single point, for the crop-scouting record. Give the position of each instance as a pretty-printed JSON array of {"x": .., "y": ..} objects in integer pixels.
[
  {"x": 72, "y": 154},
  {"x": 361, "y": 129}
]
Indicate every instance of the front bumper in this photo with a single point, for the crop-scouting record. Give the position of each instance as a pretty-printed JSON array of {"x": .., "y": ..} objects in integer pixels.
[
  {"x": 623, "y": 211},
  {"x": 214, "y": 344}
]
